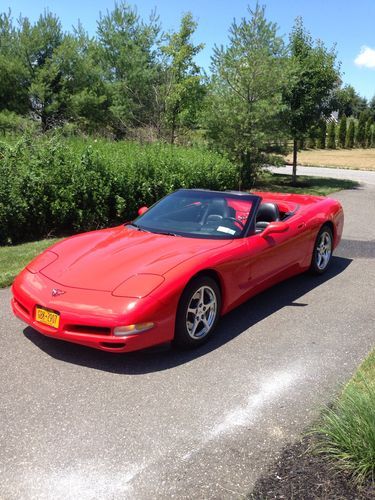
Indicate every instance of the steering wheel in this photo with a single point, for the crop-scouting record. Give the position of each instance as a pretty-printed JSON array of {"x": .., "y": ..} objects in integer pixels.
[{"x": 236, "y": 221}]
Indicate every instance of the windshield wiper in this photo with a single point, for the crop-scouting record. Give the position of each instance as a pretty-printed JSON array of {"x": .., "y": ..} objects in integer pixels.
[
  {"x": 166, "y": 233},
  {"x": 139, "y": 228}
]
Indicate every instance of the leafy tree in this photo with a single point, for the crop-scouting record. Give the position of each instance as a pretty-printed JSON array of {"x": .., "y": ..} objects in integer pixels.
[
  {"x": 350, "y": 133},
  {"x": 322, "y": 133},
  {"x": 38, "y": 44},
  {"x": 127, "y": 55},
  {"x": 342, "y": 132},
  {"x": 313, "y": 76},
  {"x": 13, "y": 87},
  {"x": 361, "y": 130},
  {"x": 244, "y": 103},
  {"x": 348, "y": 102},
  {"x": 181, "y": 91},
  {"x": 331, "y": 140}
]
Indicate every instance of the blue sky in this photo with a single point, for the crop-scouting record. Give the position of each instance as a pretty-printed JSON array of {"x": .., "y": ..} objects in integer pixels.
[{"x": 348, "y": 24}]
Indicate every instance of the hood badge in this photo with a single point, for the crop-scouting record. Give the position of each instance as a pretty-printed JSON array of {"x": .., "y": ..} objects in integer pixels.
[{"x": 56, "y": 292}]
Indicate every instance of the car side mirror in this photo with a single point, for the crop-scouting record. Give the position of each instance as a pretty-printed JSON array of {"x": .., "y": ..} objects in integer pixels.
[
  {"x": 142, "y": 210},
  {"x": 275, "y": 227}
]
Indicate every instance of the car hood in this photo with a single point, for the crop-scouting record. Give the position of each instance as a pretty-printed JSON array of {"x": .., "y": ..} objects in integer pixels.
[{"x": 102, "y": 260}]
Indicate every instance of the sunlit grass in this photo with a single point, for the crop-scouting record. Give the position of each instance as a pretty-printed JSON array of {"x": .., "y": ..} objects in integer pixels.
[
  {"x": 14, "y": 258},
  {"x": 361, "y": 159},
  {"x": 346, "y": 432},
  {"x": 320, "y": 186}
]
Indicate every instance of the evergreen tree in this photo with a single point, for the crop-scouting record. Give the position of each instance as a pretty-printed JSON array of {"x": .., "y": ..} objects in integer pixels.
[
  {"x": 368, "y": 132},
  {"x": 322, "y": 133},
  {"x": 373, "y": 136},
  {"x": 244, "y": 106},
  {"x": 349, "y": 139},
  {"x": 331, "y": 142},
  {"x": 361, "y": 130},
  {"x": 342, "y": 132}
]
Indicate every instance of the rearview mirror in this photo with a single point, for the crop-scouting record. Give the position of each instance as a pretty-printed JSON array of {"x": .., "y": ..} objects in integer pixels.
[
  {"x": 275, "y": 227},
  {"x": 142, "y": 210}
]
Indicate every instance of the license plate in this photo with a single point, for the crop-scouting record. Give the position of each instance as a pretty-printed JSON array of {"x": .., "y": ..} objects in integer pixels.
[{"x": 47, "y": 317}]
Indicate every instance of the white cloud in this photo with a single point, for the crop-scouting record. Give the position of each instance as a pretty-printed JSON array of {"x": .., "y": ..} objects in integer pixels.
[{"x": 366, "y": 57}]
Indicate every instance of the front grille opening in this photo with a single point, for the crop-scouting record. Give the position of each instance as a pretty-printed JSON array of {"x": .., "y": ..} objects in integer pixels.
[
  {"x": 113, "y": 345},
  {"x": 92, "y": 330},
  {"x": 22, "y": 307}
]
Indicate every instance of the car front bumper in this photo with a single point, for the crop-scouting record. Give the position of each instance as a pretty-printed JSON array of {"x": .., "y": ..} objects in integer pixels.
[{"x": 88, "y": 317}]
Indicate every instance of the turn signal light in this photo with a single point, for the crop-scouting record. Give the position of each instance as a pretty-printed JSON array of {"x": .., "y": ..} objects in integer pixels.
[{"x": 123, "y": 331}]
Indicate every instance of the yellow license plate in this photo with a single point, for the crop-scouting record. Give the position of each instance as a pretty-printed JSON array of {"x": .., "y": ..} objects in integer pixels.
[{"x": 47, "y": 317}]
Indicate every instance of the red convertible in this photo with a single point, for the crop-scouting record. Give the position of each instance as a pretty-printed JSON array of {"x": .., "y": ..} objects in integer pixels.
[{"x": 173, "y": 271}]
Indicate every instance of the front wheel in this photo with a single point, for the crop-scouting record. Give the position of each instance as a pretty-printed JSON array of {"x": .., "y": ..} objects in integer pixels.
[
  {"x": 322, "y": 252},
  {"x": 198, "y": 312}
]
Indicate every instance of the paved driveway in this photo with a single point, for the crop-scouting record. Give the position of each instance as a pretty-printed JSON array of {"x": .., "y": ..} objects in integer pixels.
[{"x": 78, "y": 423}]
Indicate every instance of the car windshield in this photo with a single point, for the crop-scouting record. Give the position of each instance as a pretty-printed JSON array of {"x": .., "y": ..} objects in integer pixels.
[{"x": 199, "y": 214}]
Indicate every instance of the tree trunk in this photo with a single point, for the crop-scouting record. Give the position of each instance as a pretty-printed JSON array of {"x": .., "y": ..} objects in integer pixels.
[
  {"x": 295, "y": 151},
  {"x": 173, "y": 129}
]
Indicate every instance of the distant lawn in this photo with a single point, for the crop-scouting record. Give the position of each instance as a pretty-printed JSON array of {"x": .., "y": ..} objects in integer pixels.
[
  {"x": 320, "y": 186},
  {"x": 14, "y": 258},
  {"x": 358, "y": 159}
]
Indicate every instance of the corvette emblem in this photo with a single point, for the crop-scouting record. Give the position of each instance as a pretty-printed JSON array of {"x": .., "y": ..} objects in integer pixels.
[{"x": 56, "y": 292}]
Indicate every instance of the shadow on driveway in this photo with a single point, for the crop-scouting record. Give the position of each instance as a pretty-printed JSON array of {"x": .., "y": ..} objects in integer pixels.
[{"x": 163, "y": 357}]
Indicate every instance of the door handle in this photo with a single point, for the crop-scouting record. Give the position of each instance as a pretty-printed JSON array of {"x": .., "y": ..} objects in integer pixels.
[{"x": 301, "y": 226}]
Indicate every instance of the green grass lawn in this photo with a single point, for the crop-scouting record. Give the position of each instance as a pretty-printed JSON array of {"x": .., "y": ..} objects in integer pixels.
[
  {"x": 320, "y": 186},
  {"x": 14, "y": 258},
  {"x": 346, "y": 432}
]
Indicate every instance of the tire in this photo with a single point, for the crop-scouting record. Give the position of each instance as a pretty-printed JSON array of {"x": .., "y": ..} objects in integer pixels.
[
  {"x": 322, "y": 252},
  {"x": 196, "y": 319}
]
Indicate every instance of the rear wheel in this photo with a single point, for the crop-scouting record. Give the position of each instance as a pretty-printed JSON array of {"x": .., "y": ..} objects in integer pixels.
[
  {"x": 198, "y": 312},
  {"x": 322, "y": 252}
]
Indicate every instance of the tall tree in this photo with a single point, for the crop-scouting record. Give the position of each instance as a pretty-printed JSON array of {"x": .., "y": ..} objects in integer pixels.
[
  {"x": 38, "y": 43},
  {"x": 313, "y": 76},
  {"x": 361, "y": 130},
  {"x": 13, "y": 80},
  {"x": 181, "y": 90},
  {"x": 331, "y": 139},
  {"x": 127, "y": 47},
  {"x": 368, "y": 133},
  {"x": 342, "y": 132},
  {"x": 350, "y": 134},
  {"x": 244, "y": 103},
  {"x": 348, "y": 102}
]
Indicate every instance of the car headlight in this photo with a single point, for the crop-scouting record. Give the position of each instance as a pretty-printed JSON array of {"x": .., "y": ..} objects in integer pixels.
[
  {"x": 43, "y": 260},
  {"x": 123, "y": 331}
]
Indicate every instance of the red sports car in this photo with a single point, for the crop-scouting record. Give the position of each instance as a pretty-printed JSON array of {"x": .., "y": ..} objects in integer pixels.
[{"x": 173, "y": 271}]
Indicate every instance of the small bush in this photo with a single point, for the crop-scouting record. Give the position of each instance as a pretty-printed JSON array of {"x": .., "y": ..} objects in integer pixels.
[{"x": 57, "y": 185}]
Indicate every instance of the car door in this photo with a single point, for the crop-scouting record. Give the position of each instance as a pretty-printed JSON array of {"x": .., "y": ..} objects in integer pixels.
[{"x": 276, "y": 256}]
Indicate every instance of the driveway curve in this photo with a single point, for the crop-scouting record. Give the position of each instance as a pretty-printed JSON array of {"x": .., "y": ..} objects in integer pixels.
[{"x": 79, "y": 423}]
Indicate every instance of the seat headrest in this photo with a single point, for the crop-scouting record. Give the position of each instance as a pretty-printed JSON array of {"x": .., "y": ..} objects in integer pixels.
[{"x": 268, "y": 212}]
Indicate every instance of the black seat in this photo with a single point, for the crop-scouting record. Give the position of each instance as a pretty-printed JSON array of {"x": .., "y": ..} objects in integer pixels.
[
  {"x": 268, "y": 212},
  {"x": 217, "y": 209}
]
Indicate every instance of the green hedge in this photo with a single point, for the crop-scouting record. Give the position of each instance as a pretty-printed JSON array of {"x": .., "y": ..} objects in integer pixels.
[{"x": 56, "y": 185}]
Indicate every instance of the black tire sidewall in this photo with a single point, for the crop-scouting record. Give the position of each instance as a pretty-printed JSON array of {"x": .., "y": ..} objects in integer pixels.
[{"x": 182, "y": 338}]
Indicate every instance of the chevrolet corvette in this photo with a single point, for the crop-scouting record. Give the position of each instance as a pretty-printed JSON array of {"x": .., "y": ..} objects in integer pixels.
[{"x": 170, "y": 274}]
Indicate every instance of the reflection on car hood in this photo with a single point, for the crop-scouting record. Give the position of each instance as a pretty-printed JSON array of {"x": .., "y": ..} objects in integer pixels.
[{"x": 101, "y": 260}]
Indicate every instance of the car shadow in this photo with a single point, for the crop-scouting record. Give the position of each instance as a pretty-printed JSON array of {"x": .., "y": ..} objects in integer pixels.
[{"x": 164, "y": 357}]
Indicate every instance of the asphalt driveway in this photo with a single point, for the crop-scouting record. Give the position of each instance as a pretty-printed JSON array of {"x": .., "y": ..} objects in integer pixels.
[{"x": 78, "y": 423}]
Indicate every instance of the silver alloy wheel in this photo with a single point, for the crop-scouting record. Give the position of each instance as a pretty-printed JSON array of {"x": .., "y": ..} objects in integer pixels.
[
  {"x": 201, "y": 312},
  {"x": 323, "y": 250}
]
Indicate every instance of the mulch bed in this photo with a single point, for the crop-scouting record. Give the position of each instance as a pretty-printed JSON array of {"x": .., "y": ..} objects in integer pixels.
[{"x": 298, "y": 474}]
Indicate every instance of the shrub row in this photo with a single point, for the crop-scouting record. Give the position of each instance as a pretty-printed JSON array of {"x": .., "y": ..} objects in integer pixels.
[{"x": 56, "y": 185}]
